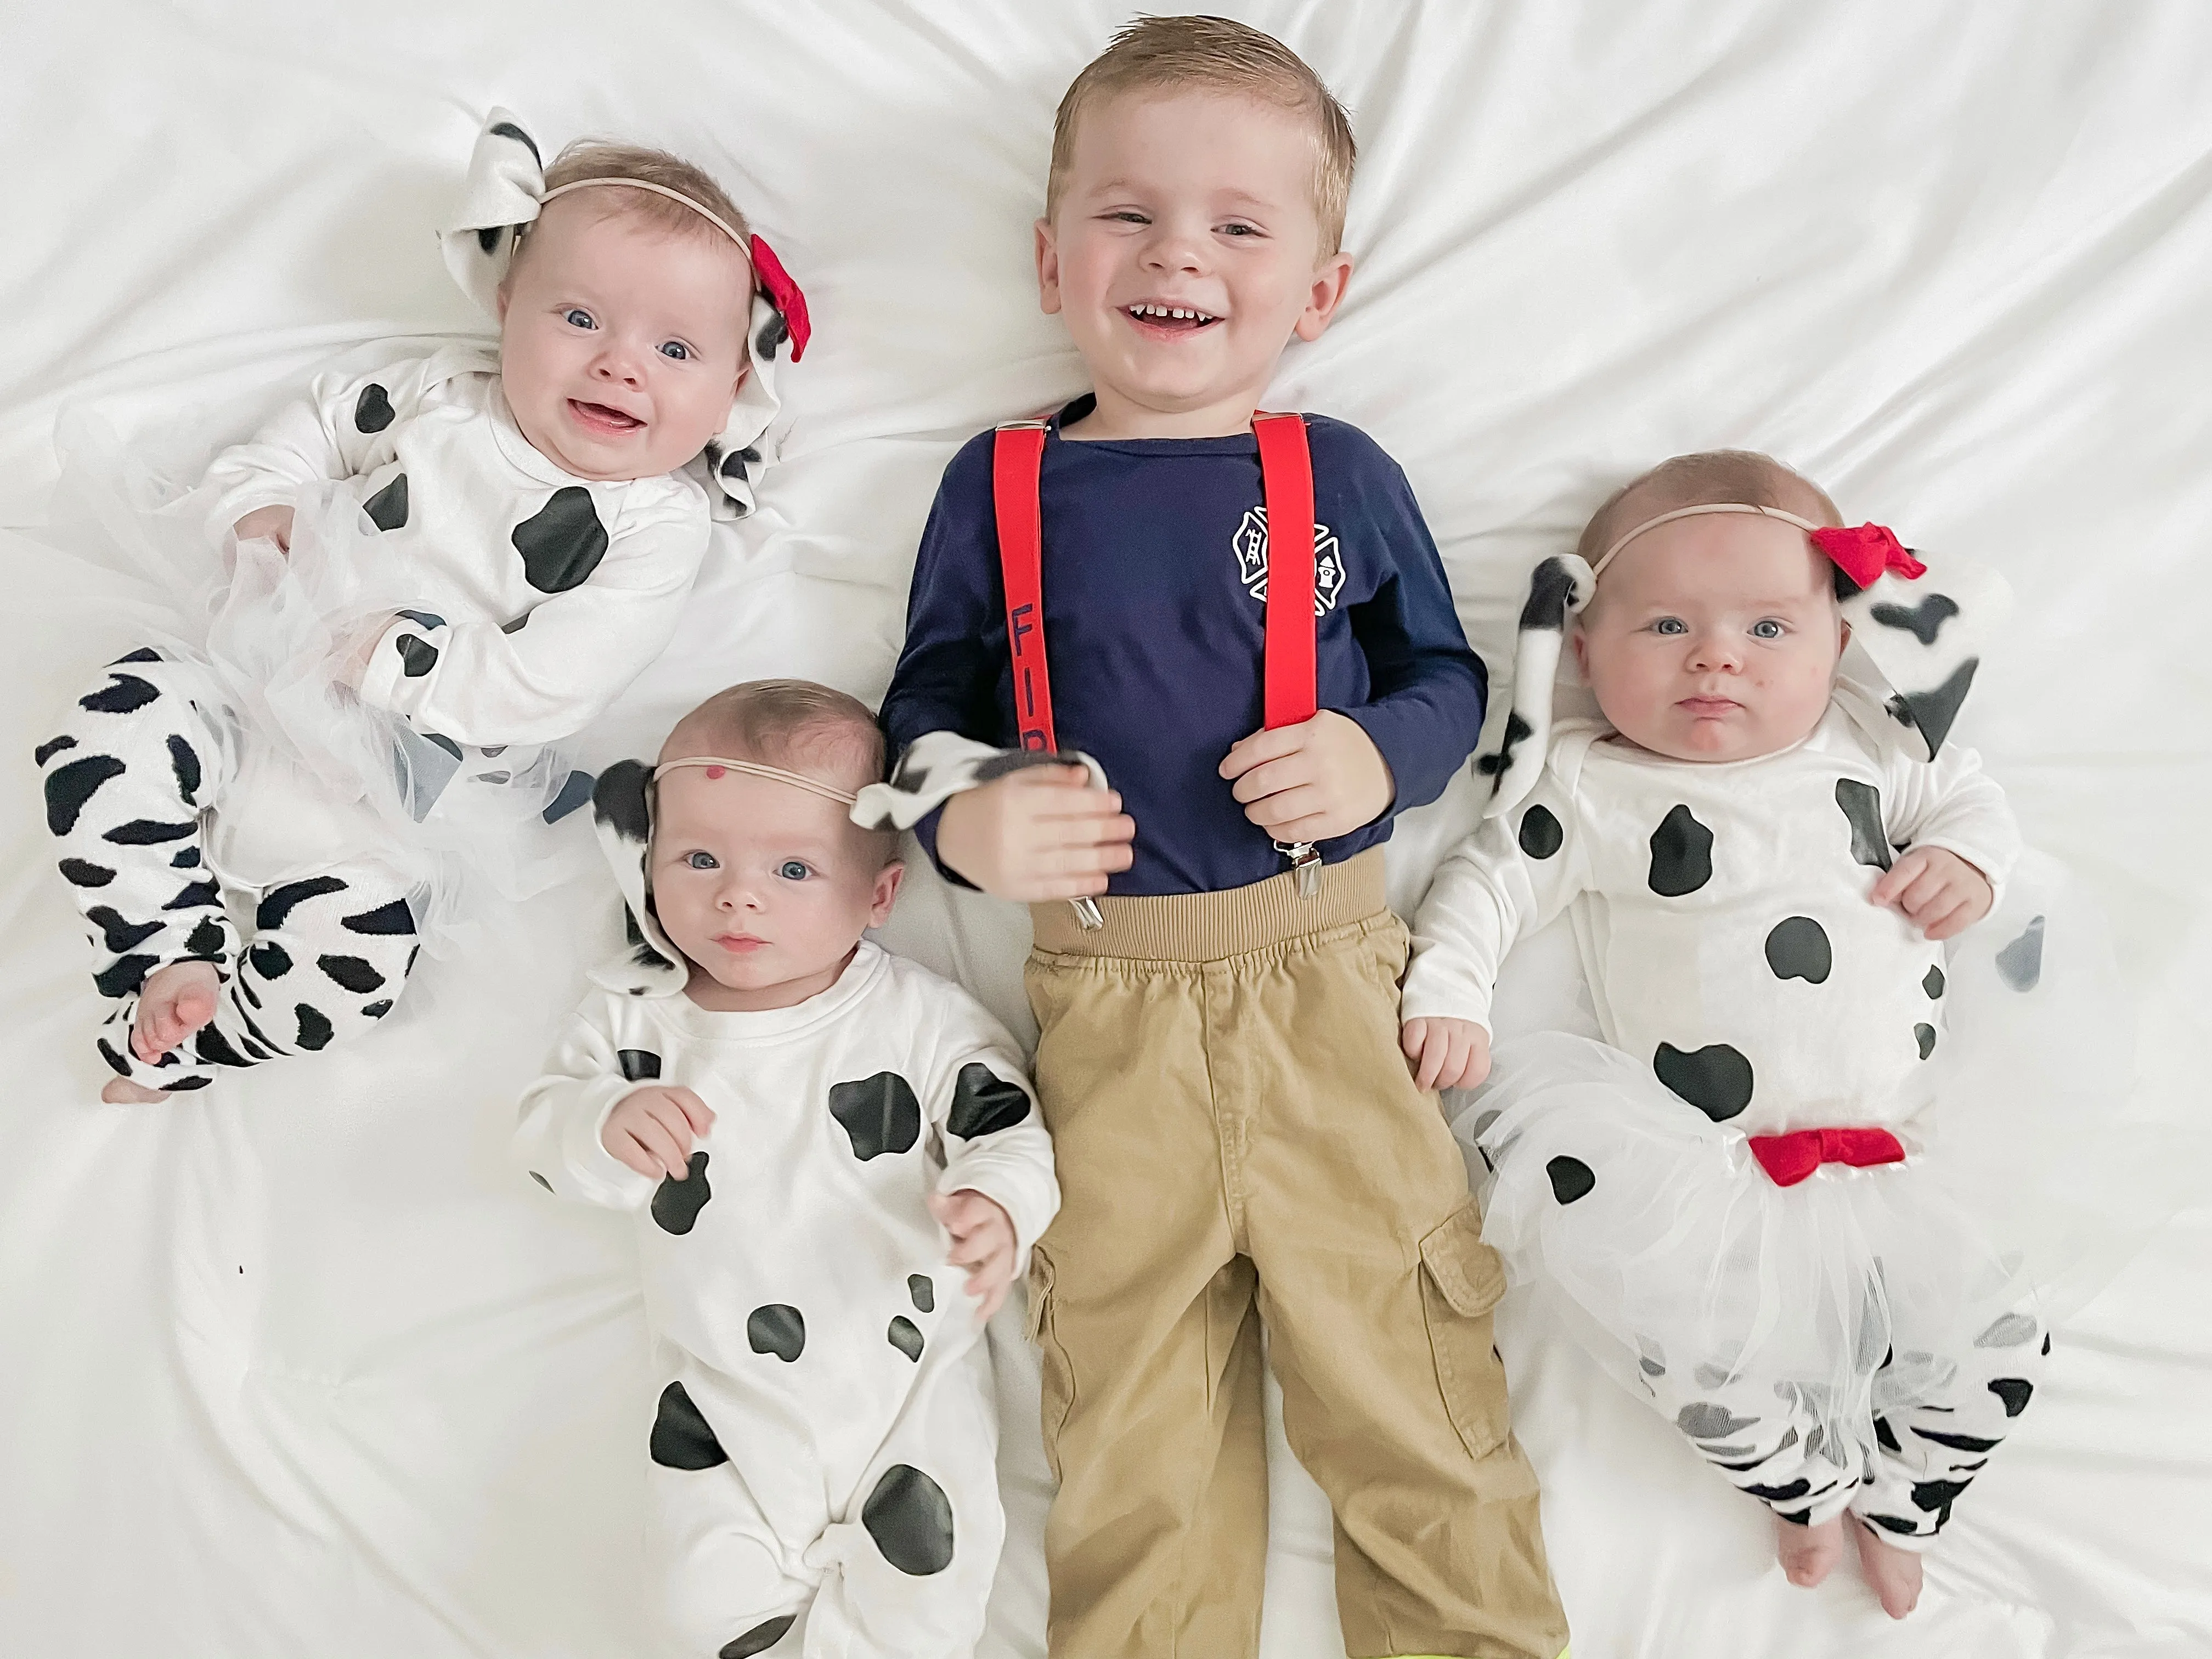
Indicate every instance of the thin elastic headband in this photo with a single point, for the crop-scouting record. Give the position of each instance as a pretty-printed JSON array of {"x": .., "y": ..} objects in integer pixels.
[
  {"x": 717, "y": 764},
  {"x": 708, "y": 214},
  {"x": 1598, "y": 569}
]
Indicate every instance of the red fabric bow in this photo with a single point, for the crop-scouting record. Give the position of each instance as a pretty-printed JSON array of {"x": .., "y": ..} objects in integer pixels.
[
  {"x": 1863, "y": 551},
  {"x": 784, "y": 295},
  {"x": 1788, "y": 1159}
]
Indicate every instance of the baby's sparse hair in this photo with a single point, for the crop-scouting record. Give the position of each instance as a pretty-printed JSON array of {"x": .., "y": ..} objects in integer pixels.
[
  {"x": 793, "y": 724},
  {"x": 591, "y": 158},
  {"x": 1707, "y": 478},
  {"x": 1214, "y": 54}
]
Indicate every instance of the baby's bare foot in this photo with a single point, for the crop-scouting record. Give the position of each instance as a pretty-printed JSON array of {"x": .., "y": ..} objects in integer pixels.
[
  {"x": 1807, "y": 1553},
  {"x": 122, "y": 1091},
  {"x": 1892, "y": 1574},
  {"x": 174, "y": 1002}
]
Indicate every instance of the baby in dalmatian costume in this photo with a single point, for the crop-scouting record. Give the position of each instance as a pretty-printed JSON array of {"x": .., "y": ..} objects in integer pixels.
[
  {"x": 441, "y": 567},
  {"x": 801, "y": 1121},
  {"x": 1784, "y": 1197}
]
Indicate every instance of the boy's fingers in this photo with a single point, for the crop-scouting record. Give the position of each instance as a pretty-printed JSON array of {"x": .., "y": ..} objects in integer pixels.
[
  {"x": 1260, "y": 747},
  {"x": 1287, "y": 807},
  {"x": 1272, "y": 777}
]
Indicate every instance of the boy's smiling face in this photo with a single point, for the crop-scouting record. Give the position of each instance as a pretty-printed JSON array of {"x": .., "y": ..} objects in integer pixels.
[{"x": 1184, "y": 253}]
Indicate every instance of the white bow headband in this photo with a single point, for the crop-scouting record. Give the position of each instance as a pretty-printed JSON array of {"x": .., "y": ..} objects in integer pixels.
[{"x": 504, "y": 195}]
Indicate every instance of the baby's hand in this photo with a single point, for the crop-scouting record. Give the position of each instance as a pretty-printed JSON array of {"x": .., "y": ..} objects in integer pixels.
[
  {"x": 982, "y": 1241},
  {"x": 651, "y": 1130},
  {"x": 355, "y": 646},
  {"x": 1936, "y": 890},
  {"x": 1041, "y": 833},
  {"x": 271, "y": 523},
  {"x": 1446, "y": 1053},
  {"x": 1313, "y": 781}
]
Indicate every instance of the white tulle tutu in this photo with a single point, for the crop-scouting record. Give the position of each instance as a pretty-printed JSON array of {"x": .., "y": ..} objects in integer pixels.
[
  {"x": 1665, "y": 1243},
  {"x": 320, "y": 777}
]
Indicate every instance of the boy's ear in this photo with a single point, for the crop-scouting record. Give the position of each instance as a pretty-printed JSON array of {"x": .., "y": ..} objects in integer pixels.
[
  {"x": 887, "y": 885},
  {"x": 1327, "y": 292},
  {"x": 1047, "y": 264}
]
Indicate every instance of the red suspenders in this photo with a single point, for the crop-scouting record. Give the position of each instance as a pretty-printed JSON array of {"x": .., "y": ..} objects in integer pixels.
[{"x": 1286, "y": 481}]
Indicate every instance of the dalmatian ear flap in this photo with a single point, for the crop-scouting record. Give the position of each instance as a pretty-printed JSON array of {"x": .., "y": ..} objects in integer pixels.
[
  {"x": 622, "y": 821},
  {"x": 1921, "y": 627},
  {"x": 778, "y": 328},
  {"x": 507, "y": 177},
  {"x": 938, "y": 765},
  {"x": 1513, "y": 746}
]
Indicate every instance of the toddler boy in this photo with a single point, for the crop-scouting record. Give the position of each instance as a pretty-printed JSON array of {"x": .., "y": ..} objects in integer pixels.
[{"x": 1238, "y": 1138}]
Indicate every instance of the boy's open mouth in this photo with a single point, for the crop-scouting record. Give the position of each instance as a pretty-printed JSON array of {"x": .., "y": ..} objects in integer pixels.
[
  {"x": 1169, "y": 320},
  {"x": 603, "y": 417}
]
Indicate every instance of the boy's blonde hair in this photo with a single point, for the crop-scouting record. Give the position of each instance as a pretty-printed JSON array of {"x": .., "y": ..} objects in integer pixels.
[
  {"x": 590, "y": 158},
  {"x": 1707, "y": 478},
  {"x": 1215, "y": 55}
]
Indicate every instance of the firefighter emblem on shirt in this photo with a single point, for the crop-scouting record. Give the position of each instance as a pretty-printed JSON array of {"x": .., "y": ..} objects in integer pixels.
[{"x": 1251, "y": 546}]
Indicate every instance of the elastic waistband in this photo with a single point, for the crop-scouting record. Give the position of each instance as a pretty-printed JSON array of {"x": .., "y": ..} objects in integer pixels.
[{"x": 1208, "y": 926}]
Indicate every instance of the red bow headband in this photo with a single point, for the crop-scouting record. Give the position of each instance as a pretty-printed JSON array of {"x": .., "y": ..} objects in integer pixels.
[{"x": 1862, "y": 552}]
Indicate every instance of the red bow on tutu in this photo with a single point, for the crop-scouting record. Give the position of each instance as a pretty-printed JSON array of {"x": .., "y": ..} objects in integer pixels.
[
  {"x": 789, "y": 301},
  {"x": 1788, "y": 1159},
  {"x": 1864, "y": 552}
]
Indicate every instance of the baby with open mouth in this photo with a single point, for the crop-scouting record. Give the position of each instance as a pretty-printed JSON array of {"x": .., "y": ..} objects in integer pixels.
[{"x": 443, "y": 566}]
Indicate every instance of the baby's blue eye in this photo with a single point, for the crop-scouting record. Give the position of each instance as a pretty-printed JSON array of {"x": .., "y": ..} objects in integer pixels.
[
  {"x": 1766, "y": 629},
  {"x": 677, "y": 349},
  {"x": 578, "y": 317},
  {"x": 1241, "y": 230},
  {"x": 1670, "y": 625},
  {"x": 701, "y": 861},
  {"x": 792, "y": 870}
]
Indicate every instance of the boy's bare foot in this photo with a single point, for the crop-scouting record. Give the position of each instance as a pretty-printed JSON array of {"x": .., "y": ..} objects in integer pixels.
[
  {"x": 1892, "y": 1574},
  {"x": 174, "y": 1002},
  {"x": 1807, "y": 1553},
  {"x": 122, "y": 1091}
]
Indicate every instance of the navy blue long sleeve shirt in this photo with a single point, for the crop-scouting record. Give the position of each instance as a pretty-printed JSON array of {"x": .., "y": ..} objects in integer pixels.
[{"x": 1154, "y": 616}]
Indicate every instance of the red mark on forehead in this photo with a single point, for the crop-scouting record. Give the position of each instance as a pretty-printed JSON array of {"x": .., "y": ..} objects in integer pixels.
[{"x": 716, "y": 771}]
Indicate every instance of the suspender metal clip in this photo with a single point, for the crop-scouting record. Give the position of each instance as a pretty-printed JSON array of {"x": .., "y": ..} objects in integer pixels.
[{"x": 1305, "y": 863}]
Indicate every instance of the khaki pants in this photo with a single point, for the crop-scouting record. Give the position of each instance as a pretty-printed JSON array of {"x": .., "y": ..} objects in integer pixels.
[{"x": 1239, "y": 1140}]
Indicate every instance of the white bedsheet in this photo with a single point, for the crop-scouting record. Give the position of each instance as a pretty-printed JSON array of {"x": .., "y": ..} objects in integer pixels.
[{"x": 299, "y": 1368}]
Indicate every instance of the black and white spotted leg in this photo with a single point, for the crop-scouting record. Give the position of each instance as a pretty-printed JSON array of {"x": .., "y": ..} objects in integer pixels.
[
  {"x": 1934, "y": 1444},
  {"x": 329, "y": 956},
  {"x": 1765, "y": 1440},
  {"x": 141, "y": 756},
  {"x": 144, "y": 756}
]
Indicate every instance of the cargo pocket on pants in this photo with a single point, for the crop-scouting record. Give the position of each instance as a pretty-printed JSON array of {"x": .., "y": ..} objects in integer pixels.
[
  {"x": 1058, "y": 1393},
  {"x": 1461, "y": 1278}
]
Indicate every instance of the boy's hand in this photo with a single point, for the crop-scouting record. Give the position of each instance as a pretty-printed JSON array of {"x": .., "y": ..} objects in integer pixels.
[
  {"x": 1313, "y": 781},
  {"x": 1043, "y": 832},
  {"x": 271, "y": 523},
  {"x": 1936, "y": 890},
  {"x": 1446, "y": 1053},
  {"x": 651, "y": 1130},
  {"x": 982, "y": 1241}
]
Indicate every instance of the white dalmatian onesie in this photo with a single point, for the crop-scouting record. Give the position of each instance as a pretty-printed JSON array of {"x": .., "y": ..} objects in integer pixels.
[
  {"x": 1817, "y": 1186},
  {"x": 523, "y": 601},
  {"x": 824, "y": 1440},
  {"x": 526, "y": 600}
]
